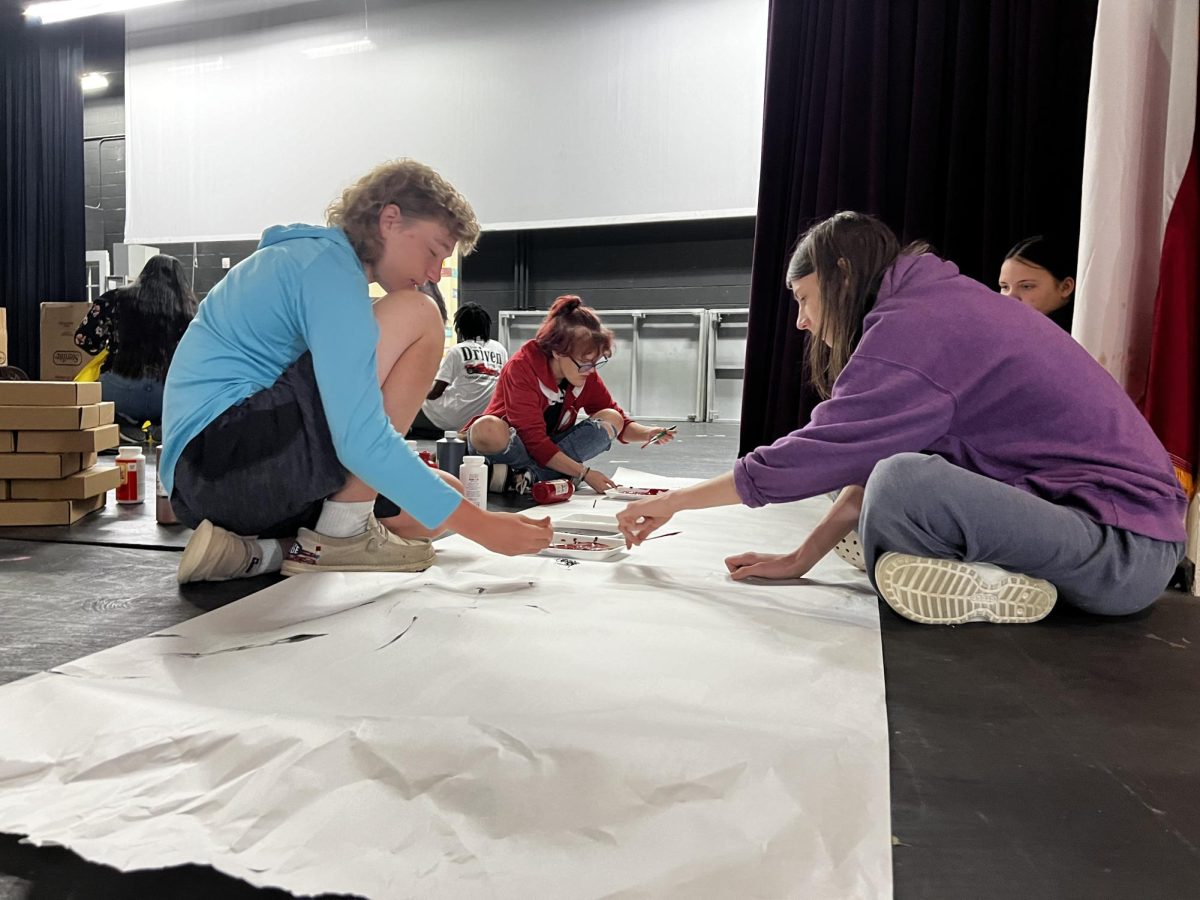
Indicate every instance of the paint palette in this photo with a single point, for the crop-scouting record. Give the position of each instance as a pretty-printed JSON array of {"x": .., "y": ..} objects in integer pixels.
[
  {"x": 624, "y": 492},
  {"x": 589, "y": 523},
  {"x": 568, "y": 545}
]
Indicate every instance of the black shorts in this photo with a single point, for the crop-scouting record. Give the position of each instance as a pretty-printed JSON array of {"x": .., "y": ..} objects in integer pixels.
[{"x": 265, "y": 465}]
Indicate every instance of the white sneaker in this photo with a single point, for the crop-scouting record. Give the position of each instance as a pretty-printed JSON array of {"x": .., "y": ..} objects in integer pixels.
[
  {"x": 850, "y": 549},
  {"x": 949, "y": 592}
]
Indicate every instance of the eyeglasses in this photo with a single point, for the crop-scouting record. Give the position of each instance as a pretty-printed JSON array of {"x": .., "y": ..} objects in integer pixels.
[{"x": 588, "y": 366}]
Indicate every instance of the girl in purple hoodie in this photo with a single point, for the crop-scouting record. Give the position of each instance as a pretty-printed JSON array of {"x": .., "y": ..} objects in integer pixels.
[{"x": 1001, "y": 467}]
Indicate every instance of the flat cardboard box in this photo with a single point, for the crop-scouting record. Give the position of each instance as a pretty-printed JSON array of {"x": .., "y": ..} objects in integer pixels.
[
  {"x": 49, "y": 393},
  {"x": 48, "y": 512},
  {"x": 90, "y": 440},
  {"x": 88, "y": 460},
  {"x": 79, "y": 486},
  {"x": 3, "y": 490},
  {"x": 7, "y": 442},
  {"x": 3, "y": 336},
  {"x": 56, "y": 418},
  {"x": 39, "y": 465},
  {"x": 61, "y": 359}
]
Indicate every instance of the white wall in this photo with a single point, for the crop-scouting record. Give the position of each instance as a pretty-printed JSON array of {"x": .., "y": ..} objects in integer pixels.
[{"x": 543, "y": 112}]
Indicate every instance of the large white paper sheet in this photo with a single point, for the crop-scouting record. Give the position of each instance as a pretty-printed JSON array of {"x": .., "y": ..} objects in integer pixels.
[{"x": 493, "y": 727}]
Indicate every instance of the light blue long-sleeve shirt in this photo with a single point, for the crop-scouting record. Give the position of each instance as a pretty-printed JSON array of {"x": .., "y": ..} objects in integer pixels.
[{"x": 302, "y": 289}]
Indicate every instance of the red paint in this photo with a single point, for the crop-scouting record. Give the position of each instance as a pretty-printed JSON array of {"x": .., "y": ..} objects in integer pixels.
[
  {"x": 555, "y": 491},
  {"x": 127, "y": 490}
]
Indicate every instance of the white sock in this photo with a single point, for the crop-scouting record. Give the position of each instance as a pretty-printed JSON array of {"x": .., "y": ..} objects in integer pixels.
[
  {"x": 342, "y": 520},
  {"x": 267, "y": 556}
]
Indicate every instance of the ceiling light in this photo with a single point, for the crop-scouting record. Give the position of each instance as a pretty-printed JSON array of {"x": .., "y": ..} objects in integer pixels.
[
  {"x": 94, "y": 81},
  {"x": 62, "y": 10}
]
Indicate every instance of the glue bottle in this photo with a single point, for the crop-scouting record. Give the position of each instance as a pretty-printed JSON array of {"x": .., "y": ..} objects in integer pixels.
[
  {"x": 132, "y": 463},
  {"x": 473, "y": 475}
]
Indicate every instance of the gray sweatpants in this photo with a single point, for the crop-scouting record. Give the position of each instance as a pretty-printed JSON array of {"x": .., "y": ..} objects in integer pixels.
[{"x": 925, "y": 506}]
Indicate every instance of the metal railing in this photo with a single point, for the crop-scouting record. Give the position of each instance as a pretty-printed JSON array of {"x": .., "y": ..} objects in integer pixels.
[{"x": 718, "y": 358}]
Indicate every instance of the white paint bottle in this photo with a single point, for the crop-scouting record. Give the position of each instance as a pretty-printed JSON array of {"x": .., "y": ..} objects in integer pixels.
[{"x": 473, "y": 475}]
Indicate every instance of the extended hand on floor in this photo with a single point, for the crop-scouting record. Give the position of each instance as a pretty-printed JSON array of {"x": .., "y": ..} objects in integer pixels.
[{"x": 767, "y": 565}]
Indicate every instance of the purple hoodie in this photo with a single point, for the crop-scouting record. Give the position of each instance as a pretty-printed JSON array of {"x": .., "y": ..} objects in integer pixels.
[{"x": 946, "y": 366}]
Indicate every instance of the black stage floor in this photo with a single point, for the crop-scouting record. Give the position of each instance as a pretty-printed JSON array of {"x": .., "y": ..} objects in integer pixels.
[{"x": 1046, "y": 761}]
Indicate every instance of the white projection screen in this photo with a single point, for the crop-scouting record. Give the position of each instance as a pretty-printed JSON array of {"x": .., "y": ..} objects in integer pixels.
[{"x": 543, "y": 112}]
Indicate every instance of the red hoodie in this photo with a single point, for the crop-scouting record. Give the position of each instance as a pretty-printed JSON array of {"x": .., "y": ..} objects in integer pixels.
[{"x": 527, "y": 389}]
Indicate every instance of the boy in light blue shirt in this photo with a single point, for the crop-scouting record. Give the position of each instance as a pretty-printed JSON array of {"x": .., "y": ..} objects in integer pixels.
[{"x": 288, "y": 395}]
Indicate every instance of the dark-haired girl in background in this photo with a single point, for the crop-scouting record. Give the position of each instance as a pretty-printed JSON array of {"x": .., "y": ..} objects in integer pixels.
[
  {"x": 140, "y": 325},
  {"x": 1002, "y": 467},
  {"x": 530, "y": 426},
  {"x": 1040, "y": 272}
]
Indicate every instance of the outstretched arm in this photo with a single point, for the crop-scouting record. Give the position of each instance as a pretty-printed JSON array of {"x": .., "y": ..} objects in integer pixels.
[{"x": 640, "y": 518}]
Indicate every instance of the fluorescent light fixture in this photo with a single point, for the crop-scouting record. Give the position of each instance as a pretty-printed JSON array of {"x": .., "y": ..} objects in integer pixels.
[
  {"x": 62, "y": 10},
  {"x": 94, "y": 81},
  {"x": 362, "y": 45}
]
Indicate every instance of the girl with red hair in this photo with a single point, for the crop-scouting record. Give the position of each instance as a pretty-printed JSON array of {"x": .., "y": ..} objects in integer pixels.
[{"x": 530, "y": 426}]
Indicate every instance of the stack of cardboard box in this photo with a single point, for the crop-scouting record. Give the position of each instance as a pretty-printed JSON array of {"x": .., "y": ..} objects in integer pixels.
[
  {"x": 50, "y": 434},
  {"x": 61, "y": 358}
]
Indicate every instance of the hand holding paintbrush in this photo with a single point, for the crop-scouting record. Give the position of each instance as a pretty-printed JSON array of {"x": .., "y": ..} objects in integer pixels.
[{"x": 660, "y": 436}]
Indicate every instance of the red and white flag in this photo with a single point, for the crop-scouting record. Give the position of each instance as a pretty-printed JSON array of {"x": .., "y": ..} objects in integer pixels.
[
  {"x": 1141, "y": 125},
  {"x": 1138, "y": 303}
]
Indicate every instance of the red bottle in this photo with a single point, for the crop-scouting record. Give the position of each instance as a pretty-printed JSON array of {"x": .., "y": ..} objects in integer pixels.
[
  {"x": 428, "y": 459},
  {"x": 552, "y": 491}
]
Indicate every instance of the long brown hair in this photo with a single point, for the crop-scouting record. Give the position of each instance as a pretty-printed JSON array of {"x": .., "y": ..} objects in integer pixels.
[{"x": 849, "y": 251}]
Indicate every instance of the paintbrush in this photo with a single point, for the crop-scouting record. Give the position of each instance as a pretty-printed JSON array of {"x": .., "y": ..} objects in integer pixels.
[
  {"x": 657, "y": 536},
  {"x": 659, "y": 435}
]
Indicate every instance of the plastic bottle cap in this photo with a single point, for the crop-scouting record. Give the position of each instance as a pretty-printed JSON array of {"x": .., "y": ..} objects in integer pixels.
[
  {"x": 129, "y": 451},
  {"x": 451, "y": 435},
  {"x": 474, "y": 461}
]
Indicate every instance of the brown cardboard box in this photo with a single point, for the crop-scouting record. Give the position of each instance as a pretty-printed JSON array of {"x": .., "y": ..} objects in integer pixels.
[
  {"x": 3, "y": 336},
  {"x": 90, "y": 440},
  {"x": 7, "y": 442},
  {"x": 61, "y": 359},
  {"x": 56, "y": 418},
  {"x": 39, "y": 465},
  {"x": 3, "y": 490},
  {"x": 88, "y": 460},
  {"x": 75, "y": 487},
  {"x": 48, "y": 512},
  {"x": 49, "y": 393}
]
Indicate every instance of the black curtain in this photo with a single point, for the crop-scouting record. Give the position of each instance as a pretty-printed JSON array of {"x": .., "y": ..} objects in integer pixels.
[
  {"x": 41, "y": 177},
  {"x": 960, "y": 123}
]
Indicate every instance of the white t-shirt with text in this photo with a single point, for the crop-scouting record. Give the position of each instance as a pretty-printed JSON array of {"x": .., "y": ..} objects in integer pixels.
[{"x": 470, "y": 370}]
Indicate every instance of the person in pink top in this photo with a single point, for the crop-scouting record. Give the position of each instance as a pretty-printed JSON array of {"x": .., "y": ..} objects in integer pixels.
[{"x": 1002, "y": 468}]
